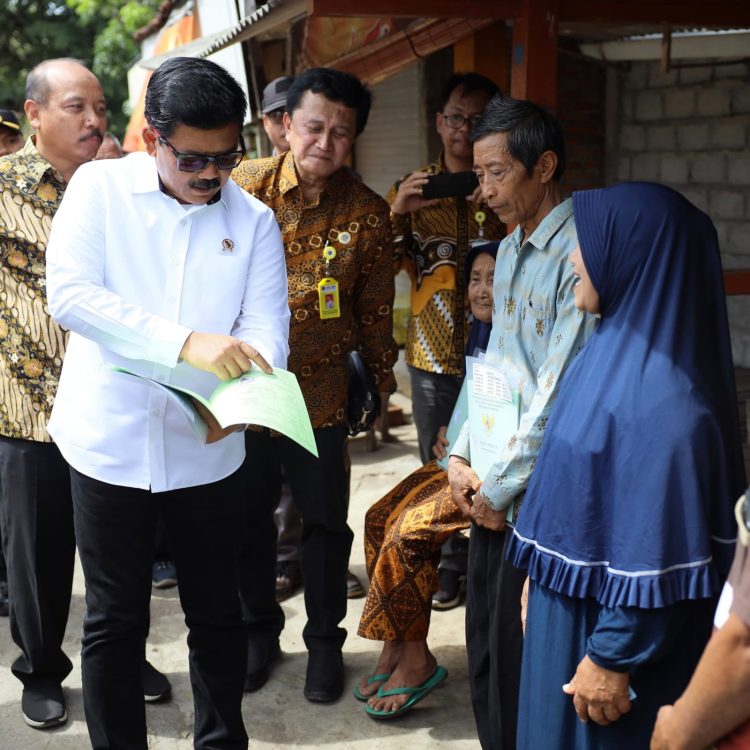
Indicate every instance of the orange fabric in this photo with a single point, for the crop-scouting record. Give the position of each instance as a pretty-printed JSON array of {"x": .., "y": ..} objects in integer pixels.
[
  {"x": 404, "y": 532},
  {"x": 170, "y": 37}
]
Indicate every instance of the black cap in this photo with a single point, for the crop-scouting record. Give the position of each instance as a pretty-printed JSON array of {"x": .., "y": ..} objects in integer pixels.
[
  {"x": 274, "y": 95},
  {"x": 8, "y": 119}
]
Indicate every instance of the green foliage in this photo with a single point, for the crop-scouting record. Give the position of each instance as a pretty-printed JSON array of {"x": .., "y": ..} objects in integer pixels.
[{"x": 100, "y": 32}]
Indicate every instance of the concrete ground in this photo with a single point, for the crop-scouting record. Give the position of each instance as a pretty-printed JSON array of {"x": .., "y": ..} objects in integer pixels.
[{"x": 278, "y": 715}]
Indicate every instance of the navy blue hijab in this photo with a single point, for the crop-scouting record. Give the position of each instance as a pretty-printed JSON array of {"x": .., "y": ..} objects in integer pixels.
[
  {"x": 479, "y": 335},
  {"x": 631, "y": 499}
]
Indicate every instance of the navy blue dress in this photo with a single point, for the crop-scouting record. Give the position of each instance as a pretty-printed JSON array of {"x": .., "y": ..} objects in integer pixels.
[{"x": 627, "y": 526}]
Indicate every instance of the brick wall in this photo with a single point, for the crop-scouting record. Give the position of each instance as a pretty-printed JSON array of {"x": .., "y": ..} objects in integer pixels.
[
  {"x": 690, "y": 129},
  {"x": 581, "y": 98}
]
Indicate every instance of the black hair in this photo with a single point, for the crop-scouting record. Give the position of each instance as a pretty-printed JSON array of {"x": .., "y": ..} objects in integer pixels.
[
  {"x": 531, "y": 131},
  {"x": 37, "y": 81},
  {"x": 335, "y": 85},
  {"x": 194, "y": 92},
  {"x": 469, "y": 82}
]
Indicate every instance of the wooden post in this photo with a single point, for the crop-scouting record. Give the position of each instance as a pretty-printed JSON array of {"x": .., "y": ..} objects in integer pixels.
[
  {"x": 486, "y": 52},
  {"x": 534, "y": 53}
]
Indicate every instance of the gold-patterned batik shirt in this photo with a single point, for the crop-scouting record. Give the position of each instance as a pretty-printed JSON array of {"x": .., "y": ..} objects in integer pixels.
[
  {"x": 31, "y": 343},
  {"x": 354, "y": 221},
  {"x": 431, "y": 245}
]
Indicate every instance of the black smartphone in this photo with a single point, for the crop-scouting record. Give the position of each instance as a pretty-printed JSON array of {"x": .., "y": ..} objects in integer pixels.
[{"x": 450, "y": 185}]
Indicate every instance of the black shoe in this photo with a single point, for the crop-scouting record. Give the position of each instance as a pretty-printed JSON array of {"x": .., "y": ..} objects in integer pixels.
[
  {"x": 324, "y": 682},
  {"x": 452, "y": 587},
  {"x": 43, "y": 706},
  {"x": 4, "y": 600},
  {"x": 354, "y": 588},
  {"x": 259, "y": 660},
  {"x": 156, "y": 686},
  {"x": 288, "y": 578}
]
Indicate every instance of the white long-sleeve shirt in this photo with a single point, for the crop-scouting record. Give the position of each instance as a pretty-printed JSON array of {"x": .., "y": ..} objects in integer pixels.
[{"x": 131, "y": 272}]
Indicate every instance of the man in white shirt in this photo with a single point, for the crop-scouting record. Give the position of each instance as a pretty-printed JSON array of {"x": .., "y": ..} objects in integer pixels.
[{"x": 159, "y": 263}]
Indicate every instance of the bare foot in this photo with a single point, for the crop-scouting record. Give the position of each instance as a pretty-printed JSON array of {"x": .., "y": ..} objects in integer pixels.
[
  {"x": 389, "y": 658},
  {"x": 415, "y": 666}
]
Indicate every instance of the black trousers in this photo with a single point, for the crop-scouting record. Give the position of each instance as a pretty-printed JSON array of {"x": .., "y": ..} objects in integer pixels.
[
  {"x": 36, "y": 516},
  {"x": 494, "y": 639},
  {"x": 116, "y": 529},
  {"x": 319, "y": 489}
]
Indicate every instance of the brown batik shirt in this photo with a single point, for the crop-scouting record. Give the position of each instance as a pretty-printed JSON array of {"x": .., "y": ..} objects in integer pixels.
[
  {"x": 354, "y": 221},
  {"x": 31, "y": 343}
]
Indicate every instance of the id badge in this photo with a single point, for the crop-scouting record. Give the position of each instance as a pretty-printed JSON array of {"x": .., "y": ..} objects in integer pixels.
[{"x": 328, "y": 298}]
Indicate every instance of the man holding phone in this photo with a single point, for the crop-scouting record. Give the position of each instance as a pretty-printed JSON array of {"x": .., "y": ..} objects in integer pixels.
[{"x": 431, "y": 239}]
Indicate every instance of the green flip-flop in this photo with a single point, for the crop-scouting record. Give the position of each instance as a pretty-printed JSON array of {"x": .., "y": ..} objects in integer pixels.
[
  {"x": 415, "y": 695},
  {"x": 357, "y": 693}
]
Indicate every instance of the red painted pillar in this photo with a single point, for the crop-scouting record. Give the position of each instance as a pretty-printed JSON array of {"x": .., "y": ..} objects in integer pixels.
[{"x": 534, "y": 54}]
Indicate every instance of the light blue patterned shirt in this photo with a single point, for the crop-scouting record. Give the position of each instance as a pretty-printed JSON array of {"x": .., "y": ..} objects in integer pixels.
[{"x": 536, "y": 332}]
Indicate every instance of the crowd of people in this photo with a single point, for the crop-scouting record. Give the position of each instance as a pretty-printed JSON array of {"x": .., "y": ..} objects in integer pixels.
[{"x": 592, "y": 552}]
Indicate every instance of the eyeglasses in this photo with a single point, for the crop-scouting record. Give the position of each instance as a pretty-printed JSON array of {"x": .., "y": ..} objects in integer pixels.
[
  {"x": 198, "y": 162},
  {"x": 458, "y": 121}
]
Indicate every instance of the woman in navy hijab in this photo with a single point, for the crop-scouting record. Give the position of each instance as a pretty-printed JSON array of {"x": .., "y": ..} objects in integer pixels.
[{"x": 626, "y": 528}]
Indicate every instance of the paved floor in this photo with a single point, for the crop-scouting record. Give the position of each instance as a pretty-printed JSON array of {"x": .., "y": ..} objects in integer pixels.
[{"x": 277, "y": 716}]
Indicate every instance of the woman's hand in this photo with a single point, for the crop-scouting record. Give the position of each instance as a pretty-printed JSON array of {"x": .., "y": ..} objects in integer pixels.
[
  {"x": 438, "y": 450},
  {"x": 524, "y": 604},
  {"x": 599, "y": 694}
]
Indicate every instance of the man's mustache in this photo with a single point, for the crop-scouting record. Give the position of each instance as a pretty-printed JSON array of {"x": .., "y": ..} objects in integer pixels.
[
  {"x": 94, "y": 132},
  {"x": 205, "y": 184}
]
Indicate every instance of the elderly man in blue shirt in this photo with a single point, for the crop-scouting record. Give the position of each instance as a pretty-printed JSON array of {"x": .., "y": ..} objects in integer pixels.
[{"x": 519, "y": 157}]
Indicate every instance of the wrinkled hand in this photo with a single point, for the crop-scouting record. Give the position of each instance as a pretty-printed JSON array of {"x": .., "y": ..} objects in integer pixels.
[
  {"x": 215, "y": 431},
  {"x": 599, "y": 694},
  {"x": 484, "y": 516},
  {"x": 524, "y": 604},
  {"x": 464, "y": 482},
  {"x": 438, "y": 450},
  {"x": 409, "y": 196},
  {"x": 225, "y": 356}
]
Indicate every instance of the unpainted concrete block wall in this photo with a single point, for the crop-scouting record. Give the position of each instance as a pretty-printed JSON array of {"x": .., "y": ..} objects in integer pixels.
[{"x": 690, "y": 129}]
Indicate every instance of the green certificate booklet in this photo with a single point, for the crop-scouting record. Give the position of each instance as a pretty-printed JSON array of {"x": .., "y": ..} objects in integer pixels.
[{"x": 274, "y": 401}]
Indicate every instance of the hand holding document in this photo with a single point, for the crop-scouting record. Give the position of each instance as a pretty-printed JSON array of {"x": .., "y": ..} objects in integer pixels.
[
  {"x": 494, "y": 412},
  {"x": 270, "y": 400}
]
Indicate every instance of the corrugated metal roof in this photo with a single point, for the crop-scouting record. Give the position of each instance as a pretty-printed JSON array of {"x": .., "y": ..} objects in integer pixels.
[{"x": 272, "y": 14}]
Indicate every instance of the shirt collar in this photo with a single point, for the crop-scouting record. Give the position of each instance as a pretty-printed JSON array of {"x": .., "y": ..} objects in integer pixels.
[
  {"x": 289, "y": 179},
  {"x": 36, "y": 165},
  {"x": 288, "y": 174},
  {"x": 543, "y": 234}
]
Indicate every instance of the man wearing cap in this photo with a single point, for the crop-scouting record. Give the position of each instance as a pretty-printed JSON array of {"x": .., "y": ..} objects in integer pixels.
[
  {"x": 11, "y": 137},
  {"x": 272, "y": 107}
]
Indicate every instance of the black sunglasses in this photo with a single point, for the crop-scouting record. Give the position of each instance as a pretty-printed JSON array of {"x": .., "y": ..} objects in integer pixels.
[{"x": 198, "y": 162}]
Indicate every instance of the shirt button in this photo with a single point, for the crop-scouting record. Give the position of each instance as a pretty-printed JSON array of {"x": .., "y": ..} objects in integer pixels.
[{"x": 157, "y": 413}]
